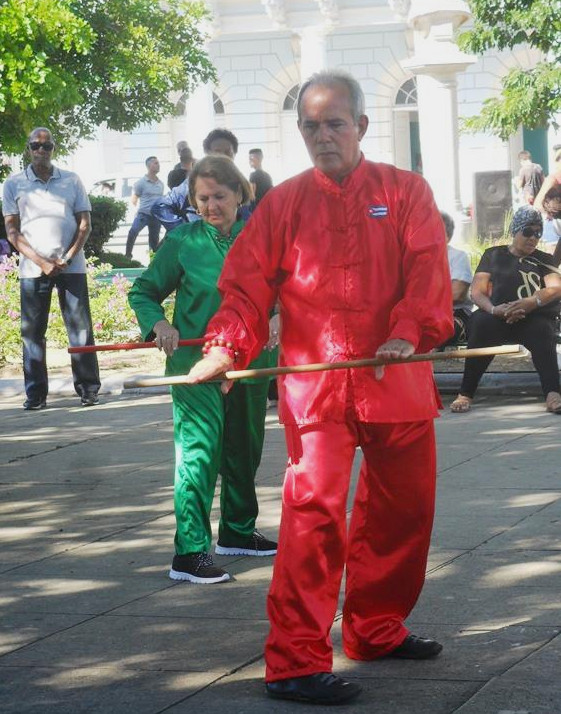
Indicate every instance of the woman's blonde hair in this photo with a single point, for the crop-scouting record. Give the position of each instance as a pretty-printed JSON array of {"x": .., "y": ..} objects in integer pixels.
[{"x": 224, "y": 171}]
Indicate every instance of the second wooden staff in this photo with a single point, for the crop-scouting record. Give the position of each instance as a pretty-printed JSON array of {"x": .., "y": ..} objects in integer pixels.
[{"x": 135, "y": 382}]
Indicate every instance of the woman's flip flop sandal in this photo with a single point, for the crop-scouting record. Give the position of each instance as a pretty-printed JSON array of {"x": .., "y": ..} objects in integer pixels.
[
  {"x": 553, "y": 403},
  {"x": 460, "y": 405}
]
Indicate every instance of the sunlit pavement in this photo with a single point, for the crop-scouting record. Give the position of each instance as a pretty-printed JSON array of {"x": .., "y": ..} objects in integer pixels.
[{"x": 91, "y": 622}]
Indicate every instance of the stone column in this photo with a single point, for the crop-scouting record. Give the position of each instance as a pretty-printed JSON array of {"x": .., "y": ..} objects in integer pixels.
[
  {"x": 199, "y": 118},
  {"x": 436, "y": 62},
  {"x": 313, "y": 52},
  {"x": 438, "y": 128}
]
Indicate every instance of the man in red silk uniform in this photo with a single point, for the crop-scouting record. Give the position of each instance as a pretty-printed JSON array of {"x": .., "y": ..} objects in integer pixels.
[{"x": 355, "y": 254}]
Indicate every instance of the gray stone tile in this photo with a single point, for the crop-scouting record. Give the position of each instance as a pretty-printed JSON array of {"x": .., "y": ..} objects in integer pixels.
[
  {"x": 148, "y": 643},
  {"x": 489, "y": 592},
  {"x": 531, "y": 687},
  {"x": 84, "y": 690},
  {"x": 45, "y": 592},
  {"x": 21, "y": 629},
  {"x": 63, "y": 425},
  {"x": 241, "y": 598}
]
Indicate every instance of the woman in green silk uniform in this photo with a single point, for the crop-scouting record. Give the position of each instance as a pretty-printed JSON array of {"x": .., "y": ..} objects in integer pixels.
[{"x": 213, "y": 432}]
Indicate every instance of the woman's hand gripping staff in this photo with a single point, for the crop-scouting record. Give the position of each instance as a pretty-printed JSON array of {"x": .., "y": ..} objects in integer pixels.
[{"x": 216, "y": 361}]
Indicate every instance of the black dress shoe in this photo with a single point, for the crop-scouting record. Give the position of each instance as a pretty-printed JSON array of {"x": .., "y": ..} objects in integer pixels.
[
  {"x": 33, "y": 404},
  {"x": 414, "y": 647},
  {"x": 320, "y": 688},
  {"x": 89, "y": 399}
]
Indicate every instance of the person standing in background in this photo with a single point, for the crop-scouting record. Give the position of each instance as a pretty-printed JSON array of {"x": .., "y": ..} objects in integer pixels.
[
  {"x": 47, "y": 216},
  {"x": 461, "y": 277},
  {"x": 146, "y": 192},
  {"x": 260, "y": 180},
  {"x": 181, "y": 172},
  {"x": 530, "y": 178}
]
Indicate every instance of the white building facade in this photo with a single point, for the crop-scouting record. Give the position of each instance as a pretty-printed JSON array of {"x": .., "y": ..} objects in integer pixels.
[{"x": 416, "y": 81}]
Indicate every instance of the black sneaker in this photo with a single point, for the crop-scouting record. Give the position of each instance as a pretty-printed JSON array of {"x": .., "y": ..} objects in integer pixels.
[
  {"x": 320, "y": 688},
  {"x": 89, "y": 399},
  {"x": 256, "y": 545},
  {"x": 33, "y": 404},
  {"x": 414, "y": 647},
  {"x": 197, "y": 568}
]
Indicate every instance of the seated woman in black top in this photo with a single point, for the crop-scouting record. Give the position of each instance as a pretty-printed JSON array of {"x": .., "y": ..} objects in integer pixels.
[{"x": 516, "y": 290}]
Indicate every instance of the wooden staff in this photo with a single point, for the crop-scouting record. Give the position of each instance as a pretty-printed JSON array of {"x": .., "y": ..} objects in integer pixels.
[
  {"x": 129, "y": 346},
  {"x": 328, "y": 366}
]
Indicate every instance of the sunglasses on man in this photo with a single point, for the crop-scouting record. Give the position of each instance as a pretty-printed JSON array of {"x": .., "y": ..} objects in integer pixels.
[
  {"x": 529, "y": 232},
  {"x": 46, "y": 145}
]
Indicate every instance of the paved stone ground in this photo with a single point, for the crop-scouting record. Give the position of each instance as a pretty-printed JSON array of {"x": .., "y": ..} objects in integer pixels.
[{"x": 91, "y": 623}]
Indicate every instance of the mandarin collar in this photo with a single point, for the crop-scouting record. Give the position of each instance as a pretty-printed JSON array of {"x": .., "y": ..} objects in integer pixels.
[
  {"x": 32, "y": 176},
  {"x": 350, "y": 182},
  {"x": 215, "y": 233}
]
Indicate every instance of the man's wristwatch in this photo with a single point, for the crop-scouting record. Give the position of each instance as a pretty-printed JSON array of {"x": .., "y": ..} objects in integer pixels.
[{"x": 66, "y": 259}]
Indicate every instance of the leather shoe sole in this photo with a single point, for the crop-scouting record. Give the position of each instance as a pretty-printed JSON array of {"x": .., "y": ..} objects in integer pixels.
[
  {"x": 320, "y": 688},
  {"x": 29, "y": 405},
  {"x": 89, "y": 400},
  {"x": 414, "y": 647}
]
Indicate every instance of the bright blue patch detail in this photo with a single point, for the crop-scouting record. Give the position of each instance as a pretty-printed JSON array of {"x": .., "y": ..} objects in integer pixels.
[{"x": 377, "y": 211}]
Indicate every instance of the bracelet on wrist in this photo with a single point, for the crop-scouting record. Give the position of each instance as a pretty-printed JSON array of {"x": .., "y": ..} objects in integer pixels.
[
  {"x": 492, "y": 309},
  {"x": 227, "y": 347},
  {"x": 539, "y": 302}
]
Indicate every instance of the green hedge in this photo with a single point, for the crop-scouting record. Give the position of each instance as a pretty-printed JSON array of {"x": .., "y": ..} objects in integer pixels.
[{"x": 107, "y": 213}]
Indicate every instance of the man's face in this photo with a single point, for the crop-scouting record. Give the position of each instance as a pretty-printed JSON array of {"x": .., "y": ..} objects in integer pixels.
[
  {"x": 154, "y": 166},
  {"x": 255, "y": 161},
  {"x": 222, "y": 146},
  {"x": 329, "y": 131},
  {"x": 41, "y": 147}
]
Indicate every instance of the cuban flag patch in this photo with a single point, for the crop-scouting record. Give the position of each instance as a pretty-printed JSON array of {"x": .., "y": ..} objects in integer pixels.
[{"x": 376, "y": 211}]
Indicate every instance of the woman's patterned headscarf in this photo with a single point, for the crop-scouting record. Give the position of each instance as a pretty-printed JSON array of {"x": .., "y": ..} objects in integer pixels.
[{"x": 525, "y": 216}]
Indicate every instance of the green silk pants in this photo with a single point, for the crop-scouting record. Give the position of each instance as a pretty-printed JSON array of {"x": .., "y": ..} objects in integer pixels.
[{"x": 216, "y": 433}]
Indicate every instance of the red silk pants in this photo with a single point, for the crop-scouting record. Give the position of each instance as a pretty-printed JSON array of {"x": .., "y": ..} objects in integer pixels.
[{"x": 384, "y": 551}]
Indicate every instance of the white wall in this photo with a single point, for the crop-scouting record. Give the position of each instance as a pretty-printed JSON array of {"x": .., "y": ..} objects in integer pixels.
[{"x": 256, "y": 71}]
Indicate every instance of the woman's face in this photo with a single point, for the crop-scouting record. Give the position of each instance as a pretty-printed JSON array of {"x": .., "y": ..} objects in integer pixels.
[
  {"x": 525, "y": 241},
  {"x": 216, "y": 203}
]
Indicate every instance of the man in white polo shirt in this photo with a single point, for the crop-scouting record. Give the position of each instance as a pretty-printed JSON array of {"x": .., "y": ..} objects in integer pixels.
[{"x": 47, "y": 216}]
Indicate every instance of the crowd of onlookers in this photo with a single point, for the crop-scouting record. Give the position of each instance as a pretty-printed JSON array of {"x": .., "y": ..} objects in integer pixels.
[{"x": 174, "y": 208}]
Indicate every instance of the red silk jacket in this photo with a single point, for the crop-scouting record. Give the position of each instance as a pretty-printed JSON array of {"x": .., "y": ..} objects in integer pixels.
[{"x": 352, "y": 266}]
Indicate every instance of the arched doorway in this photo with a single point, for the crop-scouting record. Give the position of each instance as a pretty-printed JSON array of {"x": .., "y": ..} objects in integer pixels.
[
  {"x": 294, "y": 157},
  {"x": 407, "y": 144}
]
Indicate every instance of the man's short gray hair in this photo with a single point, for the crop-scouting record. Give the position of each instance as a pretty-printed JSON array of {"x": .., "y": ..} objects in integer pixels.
[
  {"x": 37, "y": 130},
  {"x": 333, "y": 78}
]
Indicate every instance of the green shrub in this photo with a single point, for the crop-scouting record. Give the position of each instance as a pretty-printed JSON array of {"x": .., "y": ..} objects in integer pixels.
[
  {"x": 118, "y": 260},
  {"x": 10, "y": 339},
  {"x": 107, "y": 213}
]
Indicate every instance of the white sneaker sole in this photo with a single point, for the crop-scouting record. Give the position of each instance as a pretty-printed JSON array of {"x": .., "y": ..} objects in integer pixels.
[
  {"x": 222, "y": 550},
  {"x": 178, "y": 575}
]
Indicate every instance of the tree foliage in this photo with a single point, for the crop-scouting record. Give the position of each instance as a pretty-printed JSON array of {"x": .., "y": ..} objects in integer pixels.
[
  {"x": 72, "y": 65},
  {"x": 530, "y": 97}
]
